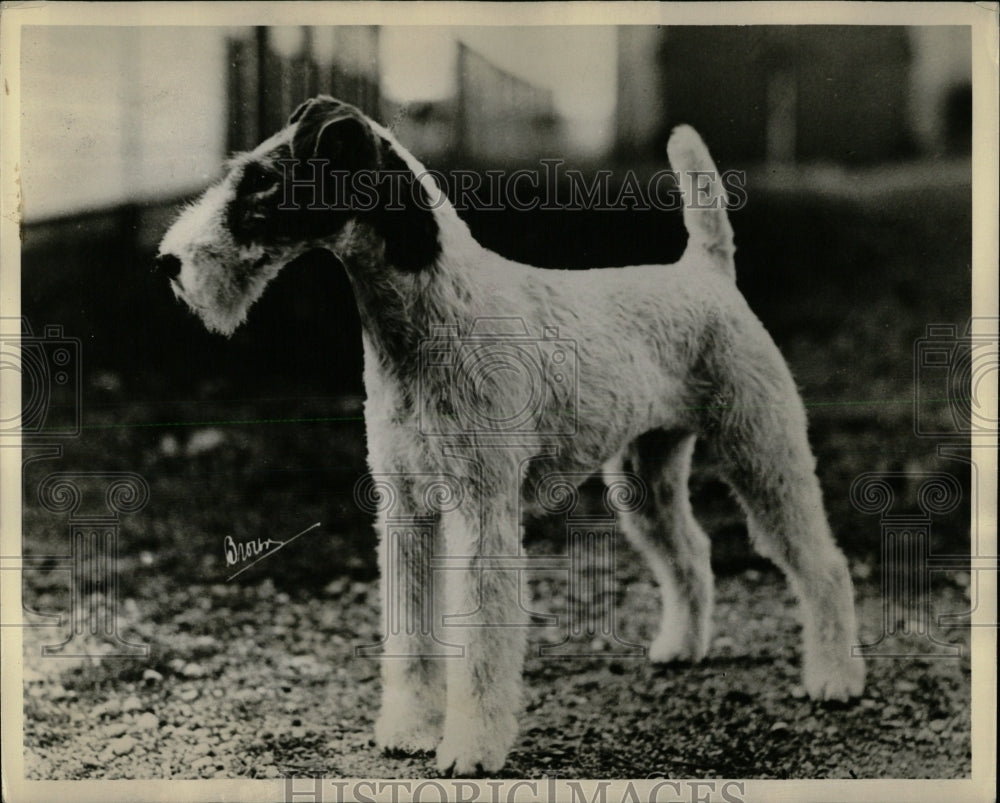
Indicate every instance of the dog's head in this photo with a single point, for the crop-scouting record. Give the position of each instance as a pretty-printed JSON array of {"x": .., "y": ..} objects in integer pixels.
[{"x": 331, "y": 178}]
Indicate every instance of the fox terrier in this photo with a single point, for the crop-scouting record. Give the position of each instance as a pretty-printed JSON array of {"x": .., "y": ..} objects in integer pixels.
[{"x": 664, "y": 354}]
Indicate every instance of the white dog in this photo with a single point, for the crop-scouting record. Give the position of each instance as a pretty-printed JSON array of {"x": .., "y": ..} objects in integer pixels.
[{"x": 657, "y": 356}]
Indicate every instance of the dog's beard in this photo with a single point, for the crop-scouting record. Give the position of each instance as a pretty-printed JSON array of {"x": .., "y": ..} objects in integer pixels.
[{"x": 221, "y": 303}]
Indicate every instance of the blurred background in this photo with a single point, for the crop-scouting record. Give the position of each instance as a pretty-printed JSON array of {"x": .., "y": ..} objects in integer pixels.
[{"x": 856, "y": 235}]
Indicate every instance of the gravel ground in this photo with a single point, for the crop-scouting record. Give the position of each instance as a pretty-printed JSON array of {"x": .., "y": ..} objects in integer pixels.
[
  {"x": 256, "y": 677},
  {"x": 247, "y": 681}
]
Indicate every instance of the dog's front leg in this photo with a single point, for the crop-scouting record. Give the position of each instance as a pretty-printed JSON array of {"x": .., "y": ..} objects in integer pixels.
[
  {"x": 484, "y": 685},
  {"x": 413, "y": 677}
]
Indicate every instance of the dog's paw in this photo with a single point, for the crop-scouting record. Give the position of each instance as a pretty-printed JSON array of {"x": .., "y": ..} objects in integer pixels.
[
  {"x": 834, "y": 680},
  {"x": 407, "y": 731},
  {"x": 670, "y": 646},
  {"x": 470, "y": 749}
]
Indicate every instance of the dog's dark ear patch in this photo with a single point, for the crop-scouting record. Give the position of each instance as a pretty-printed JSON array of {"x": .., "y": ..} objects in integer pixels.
[
  {"x": 412, "y": 241},
  {"x": 336, "y": 133}
]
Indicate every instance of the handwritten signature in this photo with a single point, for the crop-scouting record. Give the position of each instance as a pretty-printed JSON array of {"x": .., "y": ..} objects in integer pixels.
[{"x": 255, "y": 550}]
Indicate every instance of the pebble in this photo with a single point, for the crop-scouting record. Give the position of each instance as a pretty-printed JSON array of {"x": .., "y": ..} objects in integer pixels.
[
  {"x": 122, "y": 746},
  {"x": 335, "y": 587},
  {"x": 203, "y": 441},
  {"x": 109, "y": 708},
  {"x": 906, "y": 686},
  {"x": 938, "y": 725},
  {"x": 132, "y": 703},
  {"x": 187, "y": 695},
  {"x": 798, "y": 692},
  {"x": 779, "y": 727},
  {"x": 193, "y": 670},
  {"x": 151, "y": 676},
  {"x": 147, "y": 722},
  {"x": 205, "y": 642},
  {"x": 116, "y": 729}
]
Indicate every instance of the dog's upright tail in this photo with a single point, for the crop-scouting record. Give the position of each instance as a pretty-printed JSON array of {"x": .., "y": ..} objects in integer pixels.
[{"x": 705, "y": 216}]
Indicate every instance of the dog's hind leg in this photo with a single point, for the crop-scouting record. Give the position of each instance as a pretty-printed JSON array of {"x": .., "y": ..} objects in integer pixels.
[
  {"x": 664, "y": 530},
  {"x": 756, "y": 423}
]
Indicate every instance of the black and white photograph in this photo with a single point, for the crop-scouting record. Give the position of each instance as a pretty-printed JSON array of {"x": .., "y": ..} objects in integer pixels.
[{"x": 499, "y": 402}]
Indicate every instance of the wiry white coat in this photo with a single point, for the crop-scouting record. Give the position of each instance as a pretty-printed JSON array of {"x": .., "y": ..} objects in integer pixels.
[{"x": 663, "y": 354}]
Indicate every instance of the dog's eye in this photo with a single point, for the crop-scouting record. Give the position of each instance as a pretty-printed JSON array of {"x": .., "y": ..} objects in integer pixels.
[{"x": 256, "y": 179}]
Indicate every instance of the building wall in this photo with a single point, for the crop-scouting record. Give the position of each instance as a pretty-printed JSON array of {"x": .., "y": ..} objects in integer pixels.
[
  {"x": 498, "y": 115},
  {"x": 117, "y": 115},
  {"x": 941, "y": 73},
  {"x": 114, "y": 116},
  {"x": 641, "y": 102},
  {"x": 797, "y": 93}
]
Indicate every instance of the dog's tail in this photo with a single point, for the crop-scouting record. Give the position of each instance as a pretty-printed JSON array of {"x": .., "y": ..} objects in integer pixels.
[{"x": 705, "y": 216}]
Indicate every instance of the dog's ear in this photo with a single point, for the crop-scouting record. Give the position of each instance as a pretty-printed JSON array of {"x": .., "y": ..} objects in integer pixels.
[
  {"x": 329, "y": 130},
  {"x": 329, "y": 104}
]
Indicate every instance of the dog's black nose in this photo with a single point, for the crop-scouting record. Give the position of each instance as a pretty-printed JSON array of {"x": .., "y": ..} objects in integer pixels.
[{"x": 168, "y": 265}]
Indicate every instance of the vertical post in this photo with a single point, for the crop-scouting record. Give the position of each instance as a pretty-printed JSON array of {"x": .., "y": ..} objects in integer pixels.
[{"x": 260, "y": 37}]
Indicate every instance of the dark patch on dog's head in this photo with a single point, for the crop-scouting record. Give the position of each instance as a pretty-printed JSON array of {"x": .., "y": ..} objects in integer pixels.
[
  {"x": 281, "y": 197},
  {"x": 334, "y": 132},
  {"x": 302, "y": 108},
  {"x": 411, "y": 234}
]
